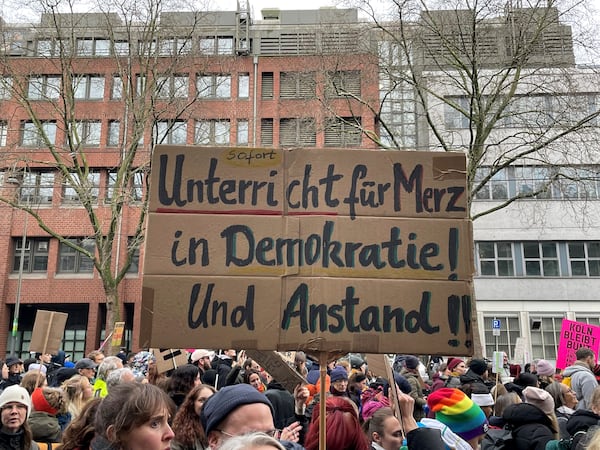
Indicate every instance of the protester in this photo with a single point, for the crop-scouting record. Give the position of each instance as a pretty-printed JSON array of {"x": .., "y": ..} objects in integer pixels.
[
  {"x": 118, "y": 376},
  {"x": 583, "y": 420},
  {"x": 141, "y": 363},
  {"x": 283, "y": 404},
  {"x": 502, "y": 402},
  {"x": 32, "y": 380},
  {"x": 182, "y": 381},
  {"x": 87, "y": 368},
  {"x": 201, "y": 358},
  {"x": 78, "y": 392},
  {"x": 15, "y": 370},
  {"x": 97, "y": 356},
  {"x": 449, "y": 375},
  {"x": 47, "y": 403},
  {"x": 411, "y": 373},
  {"x": 343, "y": 427},
  {"x": 189, "y": 434},
  {"x": 545, "y": 373},
  {"x": 105, "y": 367},
  {"x": 252, "y": 441},
  {"x": 79, "y": 433},
  {"x": 252, "y": 377},
  {"x": 534, "y": 423},
  {"x": 240, "y": 409},
  {"x": 15, "y": 407},
  {"x": 134, "y": 416},
  {"x": 453, "y": 408},
  {"x": 338, "y": 378},
  {"x": 565, "y": 402},
  {"x": 476, "y": 374},
  {"x": 583, "y": 380}
]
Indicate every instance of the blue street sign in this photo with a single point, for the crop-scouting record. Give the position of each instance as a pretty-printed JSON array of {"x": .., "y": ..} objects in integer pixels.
[{"x": 496, "y": 324}]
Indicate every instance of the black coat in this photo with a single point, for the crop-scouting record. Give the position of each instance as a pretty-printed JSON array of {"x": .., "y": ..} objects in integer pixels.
[
  {"x": 532, "y": 429},
  {"x": 283, "y": 404}
]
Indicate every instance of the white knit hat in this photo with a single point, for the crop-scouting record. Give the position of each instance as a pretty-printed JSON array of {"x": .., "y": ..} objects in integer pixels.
[{"x": 18, "y": 394}]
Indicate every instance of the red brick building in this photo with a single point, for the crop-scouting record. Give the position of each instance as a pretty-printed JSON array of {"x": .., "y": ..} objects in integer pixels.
[{"x": 288, "y": 80}]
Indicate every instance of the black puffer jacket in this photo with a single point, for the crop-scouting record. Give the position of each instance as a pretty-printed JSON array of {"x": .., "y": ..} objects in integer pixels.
[
  {"x": 581, "y": 421},
  {"x": 532, "y": 429}
]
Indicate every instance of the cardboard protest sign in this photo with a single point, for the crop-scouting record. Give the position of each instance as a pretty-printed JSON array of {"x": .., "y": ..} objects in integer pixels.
[
  {"x": 117, "y": 336},
  {"x": 169, "y": 358},
  {"x": 278, "y": 368},
  {"x": 317, "y": 250},
  {"x": 48, "y": 331},
  {"x": 574, "y": 335}
]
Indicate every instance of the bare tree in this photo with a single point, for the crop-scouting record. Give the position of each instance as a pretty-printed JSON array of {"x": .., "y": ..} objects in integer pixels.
[{"x": 149, "y": 54}]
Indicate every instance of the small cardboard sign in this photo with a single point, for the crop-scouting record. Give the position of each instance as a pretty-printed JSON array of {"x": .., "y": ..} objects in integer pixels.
[
  {"x": 48, "y": 331},
  {"x": 574, "y": 335},
  {"x": 279, "y": 369},
  {"x": 169, "y": 358}
]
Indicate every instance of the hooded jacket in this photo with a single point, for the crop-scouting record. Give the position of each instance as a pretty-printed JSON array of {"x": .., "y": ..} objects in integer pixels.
[
  {"x": 532, "y": 429},
  {"x": 582, "y": 420},
  {"x": 44, "y": 427},
  {"x": 583, "y": 382}
]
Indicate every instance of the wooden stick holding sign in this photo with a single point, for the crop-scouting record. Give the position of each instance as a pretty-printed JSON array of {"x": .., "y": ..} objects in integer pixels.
[
  {"x": 323, "y": 401},
  {"x": 48, "y": 332}
]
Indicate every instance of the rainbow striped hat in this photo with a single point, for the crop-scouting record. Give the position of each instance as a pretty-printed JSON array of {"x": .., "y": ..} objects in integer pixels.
[{"x": 453, "y": 408}]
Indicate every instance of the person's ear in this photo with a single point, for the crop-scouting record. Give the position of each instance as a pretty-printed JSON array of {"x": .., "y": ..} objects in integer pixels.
[
  {"x": 376, "y": 437},
  {"x": 213, "y": 439},
  {"x": 110, "y": 433}
]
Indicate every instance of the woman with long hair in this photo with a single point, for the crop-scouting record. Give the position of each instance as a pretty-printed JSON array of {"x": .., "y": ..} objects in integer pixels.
[
  {"x": 343, "y": 427},
  {"x": 32, "y": 380},
  {"x": 134, "y": 416},
  {"x": 79, "y": 391},
  {"x": 80, "y": 432},
  {"x": 189, "y": 434},
  {"x": 565, "y": 402},
  {"x": 182, "y": 381}
]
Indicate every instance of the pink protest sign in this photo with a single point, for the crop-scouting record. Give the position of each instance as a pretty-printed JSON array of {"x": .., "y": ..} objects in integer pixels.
[{"x": 572, "y": 336}]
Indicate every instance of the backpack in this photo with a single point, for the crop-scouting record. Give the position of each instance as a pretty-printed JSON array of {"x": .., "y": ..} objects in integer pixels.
[
  {"x": 498, "y": 439},
  {"x": 566, "y": 380},
  {"x": 566, "y": 444}
]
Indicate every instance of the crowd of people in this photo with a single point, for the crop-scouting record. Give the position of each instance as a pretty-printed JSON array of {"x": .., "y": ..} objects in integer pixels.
[{"x": 225, "y": 400}]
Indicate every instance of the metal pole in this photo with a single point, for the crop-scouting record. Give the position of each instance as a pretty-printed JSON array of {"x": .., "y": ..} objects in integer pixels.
[{"x": 15, "y": 323}]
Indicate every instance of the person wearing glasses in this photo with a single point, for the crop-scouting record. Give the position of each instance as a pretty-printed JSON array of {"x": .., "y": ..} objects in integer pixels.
[
  {"x": 15, "y": 406},
  {"x": 565, "y": 402},
  {"x": 237, "y": 410}
]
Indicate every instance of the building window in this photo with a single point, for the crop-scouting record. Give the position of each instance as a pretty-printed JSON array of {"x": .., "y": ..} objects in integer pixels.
[
  {"x": 243, "y": 85},
  {"x": 135, "y": 257},
  {"x": 112, "y": 139},
  {"x": 88, "y": 87},
  {"x": 35, "y": 254},
  {"x": 93, "y": 47},
  {"x": 73, "y": 261},
  {"x": 43, "y": 87},
  {"x": 541, "y": 259},
  {"x": 3, "y": 133},
  {"x": 37, "y": 188},
  {"x": 266, "y": 132},
  {"x": 216, "y": 45},
  {"x": 174, "y": 86},
  {"x": 584, "y": 259},
  {"x": 5, "y": 88},
  {"x": 533, "y": 181},
  {"x": 32, "y": 136},
  {"x": 267, "y": 85},
  {"x": 456, "y": 112},
  {"x": 116, "y": 92},
  {"x": 121, "y": 48},
  {"x": 495, "y": 259},
  {"x": 590, "y": 320},
  {"x": 88, "y": 187},
  {"x": 343, "y": 83},
  {"x": 546, "y": 337},
  {"x": 242, "y": 132},
  {"x": 135, "y": 191},
  {"x": 174, "y": 46},
  {"x": 170, "y": 132},
  {"x": 297, "y": 85},
  {"x": 297, "y": 132},
  {"x": 214, "y": 86},
  {"x": 496, "y": 188},
  {"x": 87, "y": 133},
  {"x": 343, "y": 132},
  {"x": 509, "y": 332},
  {"x": 48, "y": 47},
  {"x": 73, "y": 343},
  {"x": 212, "y": 132}
]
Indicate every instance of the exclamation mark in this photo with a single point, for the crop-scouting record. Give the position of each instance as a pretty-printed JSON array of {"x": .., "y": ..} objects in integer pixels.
[
  {"x": 453, "y": 252},
  {"x": 453, "y": 318},
  {"x": 466, "y": 312}
]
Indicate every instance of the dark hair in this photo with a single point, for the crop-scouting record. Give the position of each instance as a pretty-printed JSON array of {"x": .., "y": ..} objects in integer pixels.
[
  {"x": 80, "y": 431},
  {"x": 128, "y": 406},
  {"x": 343, "y": 427},
  {"x": 583, "y": 353},
  {"x": 249, "y": 373},
  {"x": 186, "y": 425},
  {"x": 375, "y": 423},
  {"x": 183, "y": 378}
]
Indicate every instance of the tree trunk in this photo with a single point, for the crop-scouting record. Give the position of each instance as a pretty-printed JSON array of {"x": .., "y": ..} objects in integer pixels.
[{"x": 113, "y": 315}]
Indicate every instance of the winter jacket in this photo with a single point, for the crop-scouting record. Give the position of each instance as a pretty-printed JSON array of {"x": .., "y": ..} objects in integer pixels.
[
  {"x": 283, "y": 404},
  {"x": 44, "y": 427},
  {"x": 583, "y": 382},
  {"x": 581, "y": 421},
  {"x": 532, "y": 429},
  {"x": 416, "y": 392},
  {"x": 472, "y": 378},
  {"x": 14, "y": 441},
  {"x": 425, "y": 438}
]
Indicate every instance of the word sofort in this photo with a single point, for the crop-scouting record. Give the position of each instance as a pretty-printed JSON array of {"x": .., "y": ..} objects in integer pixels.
[
  {"x": 363, "y": 189},
  {"x": 348, "y": 315}
]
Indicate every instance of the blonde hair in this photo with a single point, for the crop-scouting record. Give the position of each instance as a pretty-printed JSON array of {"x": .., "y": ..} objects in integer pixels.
[
  {"x": 32, "y": 380},
  {"x": 73, "y": 389},
  {"x": 594, "y": 442}
]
